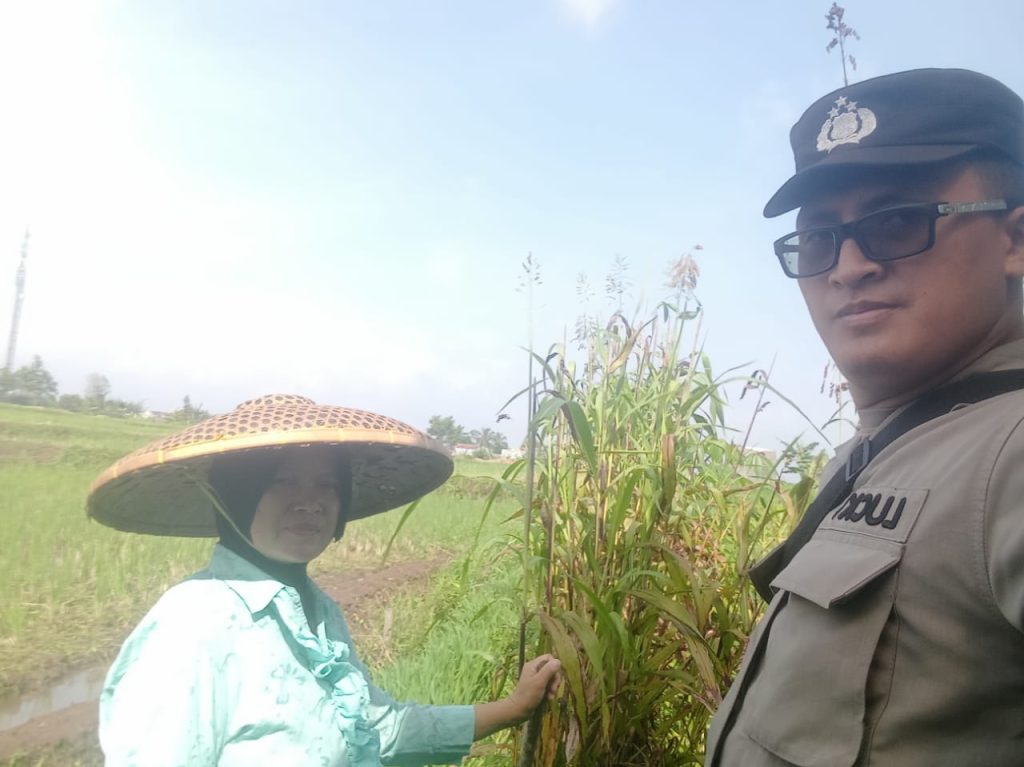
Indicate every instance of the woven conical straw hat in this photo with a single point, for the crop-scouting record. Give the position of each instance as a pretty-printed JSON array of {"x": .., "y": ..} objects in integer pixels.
[{"x": 161, "y": 488}]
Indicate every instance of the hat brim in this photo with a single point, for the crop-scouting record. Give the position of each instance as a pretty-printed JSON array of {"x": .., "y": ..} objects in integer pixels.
[
  {"x": 803, "y": 185},
  {"x": 162, "y": 489}
]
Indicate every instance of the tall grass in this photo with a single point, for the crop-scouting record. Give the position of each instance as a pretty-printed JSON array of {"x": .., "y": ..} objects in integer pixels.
[{"x": 645, "y": 519}]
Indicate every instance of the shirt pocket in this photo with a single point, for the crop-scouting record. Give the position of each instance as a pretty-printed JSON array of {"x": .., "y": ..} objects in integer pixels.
[{"x": 806, "y": 704}]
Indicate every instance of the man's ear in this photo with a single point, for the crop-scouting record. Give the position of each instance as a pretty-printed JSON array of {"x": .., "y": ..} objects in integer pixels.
[{"x": 1015, "y": 253}]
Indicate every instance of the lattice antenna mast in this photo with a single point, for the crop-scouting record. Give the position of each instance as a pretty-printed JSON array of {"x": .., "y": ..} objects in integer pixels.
[{"x": 19, "y": 295}]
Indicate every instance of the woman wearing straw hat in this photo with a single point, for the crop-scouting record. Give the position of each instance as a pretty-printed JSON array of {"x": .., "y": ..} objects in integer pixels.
[{"x": 247, "y": 662}]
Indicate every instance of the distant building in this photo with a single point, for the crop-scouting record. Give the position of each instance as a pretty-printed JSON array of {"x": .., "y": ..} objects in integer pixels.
[
  {"x": 758, "y": 463},
  {"x": 767, "y": 453},
  {"x": 464, "y": 449}
]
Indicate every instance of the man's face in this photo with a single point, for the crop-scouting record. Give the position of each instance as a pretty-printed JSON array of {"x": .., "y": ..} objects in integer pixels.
[{"x": 900, "y": 327}]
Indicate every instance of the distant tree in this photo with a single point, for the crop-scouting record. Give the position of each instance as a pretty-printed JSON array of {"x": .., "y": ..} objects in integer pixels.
[
  {"x": 446, "y": 430},
  {"x": 6, "y": 384},
  {"x": 494, "y": 441},
  {"x": 189, "y": 413},
  {"x": 72, "y": 402},
  {"x": 122, "y": 408},
  {"x": 97, "y": 389},
  {"x": 31, "y": 384},
  {"x": 37, "y": 380},
  {"x": 488, "y": 442}
]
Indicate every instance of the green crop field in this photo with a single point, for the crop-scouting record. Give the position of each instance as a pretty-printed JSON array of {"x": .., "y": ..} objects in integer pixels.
[{"x": 70, "y": 584}]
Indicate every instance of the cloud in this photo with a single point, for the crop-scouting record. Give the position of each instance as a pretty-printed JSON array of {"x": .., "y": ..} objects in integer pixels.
[{"x": 590, "y": 13}]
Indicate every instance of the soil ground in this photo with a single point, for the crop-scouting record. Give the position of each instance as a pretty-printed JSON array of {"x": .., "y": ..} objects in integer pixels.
[{"x": 68, "y": 737}]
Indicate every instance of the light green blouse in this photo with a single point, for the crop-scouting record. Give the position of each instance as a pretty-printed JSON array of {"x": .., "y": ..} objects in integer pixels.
[{"x": 225, "y": 670}]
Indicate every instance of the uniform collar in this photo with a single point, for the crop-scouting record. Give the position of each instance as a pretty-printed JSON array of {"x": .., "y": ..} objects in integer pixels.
[{"x": 1009, "y": 356}]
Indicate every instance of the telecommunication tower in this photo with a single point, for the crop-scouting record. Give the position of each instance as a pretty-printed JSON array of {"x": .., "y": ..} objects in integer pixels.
[{"x": 19, "y": 295}]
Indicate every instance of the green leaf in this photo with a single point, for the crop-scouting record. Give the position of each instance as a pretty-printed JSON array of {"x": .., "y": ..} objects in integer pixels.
[
  {"x": 566, "y": 653},
  {"x": 671, "y": 609},
  {"x": 398, "y": 528},
  {"x": 547, "y": 409},
  {"x": 582, "y": 433}
]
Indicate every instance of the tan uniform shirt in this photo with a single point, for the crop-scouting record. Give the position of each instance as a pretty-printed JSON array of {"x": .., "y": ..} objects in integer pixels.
[{"x": 897, "y": 636}]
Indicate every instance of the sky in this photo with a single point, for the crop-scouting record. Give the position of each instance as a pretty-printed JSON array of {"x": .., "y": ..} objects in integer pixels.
[{"x": 335, "y": 199}]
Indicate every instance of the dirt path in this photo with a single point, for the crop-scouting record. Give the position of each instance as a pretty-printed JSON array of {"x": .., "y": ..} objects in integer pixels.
[{"x": 76, "y": 726}]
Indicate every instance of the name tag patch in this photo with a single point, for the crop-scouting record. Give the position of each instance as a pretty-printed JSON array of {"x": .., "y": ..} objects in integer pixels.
[{"x": 888, "y": 513}]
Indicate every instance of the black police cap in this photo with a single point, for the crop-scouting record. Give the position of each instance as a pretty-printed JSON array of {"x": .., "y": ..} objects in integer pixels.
[{"x": 908, "y": 118}]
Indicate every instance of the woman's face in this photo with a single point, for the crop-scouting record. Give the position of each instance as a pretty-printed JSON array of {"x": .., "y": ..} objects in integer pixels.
[{"x": 298, "y": 514}]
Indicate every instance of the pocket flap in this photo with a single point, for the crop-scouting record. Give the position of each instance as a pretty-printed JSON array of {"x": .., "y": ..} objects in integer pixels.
[{"x": 827, "y": 572}]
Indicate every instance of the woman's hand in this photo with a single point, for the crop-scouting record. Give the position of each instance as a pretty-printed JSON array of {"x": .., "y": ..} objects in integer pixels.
[{"x": 537, "y": 682}]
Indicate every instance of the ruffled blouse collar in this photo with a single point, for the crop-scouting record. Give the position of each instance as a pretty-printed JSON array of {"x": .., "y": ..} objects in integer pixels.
[{"x": 329, "y": 660}]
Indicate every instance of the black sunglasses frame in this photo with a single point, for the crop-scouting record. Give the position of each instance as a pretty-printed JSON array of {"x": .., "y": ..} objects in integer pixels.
[{"x": 852, "y": 229}]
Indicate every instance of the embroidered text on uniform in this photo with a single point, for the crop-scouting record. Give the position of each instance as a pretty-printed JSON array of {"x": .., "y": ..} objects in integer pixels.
[{"x": 869, "y": 508}]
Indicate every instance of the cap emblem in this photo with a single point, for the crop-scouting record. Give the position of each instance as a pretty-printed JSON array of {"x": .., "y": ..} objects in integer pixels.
[{"x": 846, "y": 124}]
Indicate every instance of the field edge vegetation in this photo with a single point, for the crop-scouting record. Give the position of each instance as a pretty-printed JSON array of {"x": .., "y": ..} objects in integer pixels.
[{"x": 643, "y": 523}]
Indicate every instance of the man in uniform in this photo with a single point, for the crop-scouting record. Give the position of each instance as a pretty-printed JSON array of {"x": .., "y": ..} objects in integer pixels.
[{"x": 895, "y": 634}]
